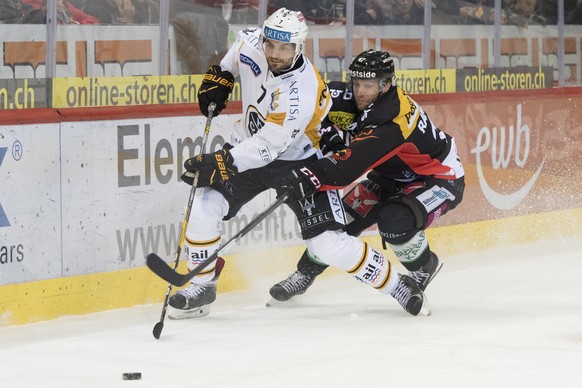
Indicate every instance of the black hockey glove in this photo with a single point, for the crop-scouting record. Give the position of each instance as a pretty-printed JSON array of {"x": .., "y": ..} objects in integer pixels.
[
  {"x": 300, "y": 183},
  {"x": 388, "y": 187},
  {"x": 331, "y": 140},
  {"x": 216, "y": 87},
  {"x": 214, "y": 168}
]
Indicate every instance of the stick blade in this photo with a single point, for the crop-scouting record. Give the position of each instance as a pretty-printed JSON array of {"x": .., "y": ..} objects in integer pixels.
[
  {"x": 158, "y": 329},
  {"x": 163, "y": 270}
]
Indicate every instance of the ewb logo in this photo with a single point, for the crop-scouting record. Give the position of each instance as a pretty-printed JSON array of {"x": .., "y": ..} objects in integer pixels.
[
  {"x": 502, "y": 150},
  {"x": 3, "y": 218}
]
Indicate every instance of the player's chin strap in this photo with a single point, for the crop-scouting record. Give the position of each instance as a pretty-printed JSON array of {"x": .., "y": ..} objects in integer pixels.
[
  {"x": 169, "y": 274},
  {"x": 157, "y": 331}
]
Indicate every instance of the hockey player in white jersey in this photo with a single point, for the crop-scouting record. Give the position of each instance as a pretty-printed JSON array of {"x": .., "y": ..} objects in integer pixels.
[{"x": 284, "y": 102}]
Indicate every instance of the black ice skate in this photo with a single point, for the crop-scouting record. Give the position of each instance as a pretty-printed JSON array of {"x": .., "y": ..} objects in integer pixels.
[
  {"x": 194, "y": 300},
  {"x": 295, "y": 284},
  {"x": 424, "y": 275},
  {"x": 410, "y": 296}
]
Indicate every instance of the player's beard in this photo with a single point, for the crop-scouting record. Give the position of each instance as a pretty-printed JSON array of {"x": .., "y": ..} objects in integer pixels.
[
  {"x": 277, "y": 65},
  {"x": 362, "y": 104}
]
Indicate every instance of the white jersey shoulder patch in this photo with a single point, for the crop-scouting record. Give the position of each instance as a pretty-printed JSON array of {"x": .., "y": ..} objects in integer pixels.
[{"x": 252, "y": 36}]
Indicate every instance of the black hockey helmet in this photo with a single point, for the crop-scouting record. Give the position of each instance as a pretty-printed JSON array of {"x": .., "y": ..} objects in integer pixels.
[{"x": 372, "y": 64}]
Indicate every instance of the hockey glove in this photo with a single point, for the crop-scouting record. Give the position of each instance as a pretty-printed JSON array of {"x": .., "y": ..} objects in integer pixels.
[
  {"x": 214, "y": 168},
  {"x": 331, "y": 141},
  {"x": 216, "y": 87},
  {"x": 300, "y": 183},
  {"x": 388, "y": 187}
]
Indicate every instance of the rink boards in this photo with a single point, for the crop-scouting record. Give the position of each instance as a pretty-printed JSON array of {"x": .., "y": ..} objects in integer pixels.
[{"x": 86, "y": 194}]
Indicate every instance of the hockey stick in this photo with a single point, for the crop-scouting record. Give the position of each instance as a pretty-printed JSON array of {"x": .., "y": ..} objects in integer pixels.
[
  {"x": 160, "y": 325},
  {"x": 163, "y": 270}
]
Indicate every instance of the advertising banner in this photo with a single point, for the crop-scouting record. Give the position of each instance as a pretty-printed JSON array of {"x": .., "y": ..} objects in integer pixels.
[
  {"x": 521, "y": 153},
  {"x": 22, "y": 93},
  {"x": 123, "y": 197},
  {"x": 83, "y": 197},
  {"x": 124, "y": 91},
  {"x": 30, "y": 203},
  {"x": 508, "y": 78}
]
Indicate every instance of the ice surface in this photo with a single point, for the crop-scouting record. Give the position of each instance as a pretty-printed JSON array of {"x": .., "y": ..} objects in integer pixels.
[{"x": 511, "y": 317}]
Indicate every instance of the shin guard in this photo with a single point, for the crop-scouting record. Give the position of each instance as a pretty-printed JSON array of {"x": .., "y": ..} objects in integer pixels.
[
  {"x": 198, "y": 250},
  {"x": 374, "y": 269},
  {"x": 414, "y": 253}
]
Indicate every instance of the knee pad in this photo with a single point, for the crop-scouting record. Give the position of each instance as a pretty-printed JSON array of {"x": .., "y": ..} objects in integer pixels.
[
  {"x": 401, "y": 227},
  {"x": 398, "y": 223},
  {"x": 208, "y": 210},
  {"x": 335, "y": 248}
]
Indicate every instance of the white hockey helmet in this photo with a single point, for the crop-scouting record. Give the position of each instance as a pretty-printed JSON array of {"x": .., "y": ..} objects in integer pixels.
[{"x": 286, "y": 26}]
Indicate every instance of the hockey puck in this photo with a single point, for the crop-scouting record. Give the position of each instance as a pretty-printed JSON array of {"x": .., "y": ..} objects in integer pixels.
[{"x": 132, "y": 376}]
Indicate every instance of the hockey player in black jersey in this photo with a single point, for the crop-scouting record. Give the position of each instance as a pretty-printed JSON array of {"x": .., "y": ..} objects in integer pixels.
[{"x": 415, "y": 174}]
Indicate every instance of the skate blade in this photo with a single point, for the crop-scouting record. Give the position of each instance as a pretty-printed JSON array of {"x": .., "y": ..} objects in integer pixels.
[
  {"x": 199, "y": 312},
  {"x": 425, "y": 310},
  {"x": 279, "y": 303},
  {"x": 435, "y": 272}
]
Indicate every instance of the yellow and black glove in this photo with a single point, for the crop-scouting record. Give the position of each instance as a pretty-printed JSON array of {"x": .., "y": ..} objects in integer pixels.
[
  {"x": 216, "y": 87},
  {"x": 217, "y": 167}
]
